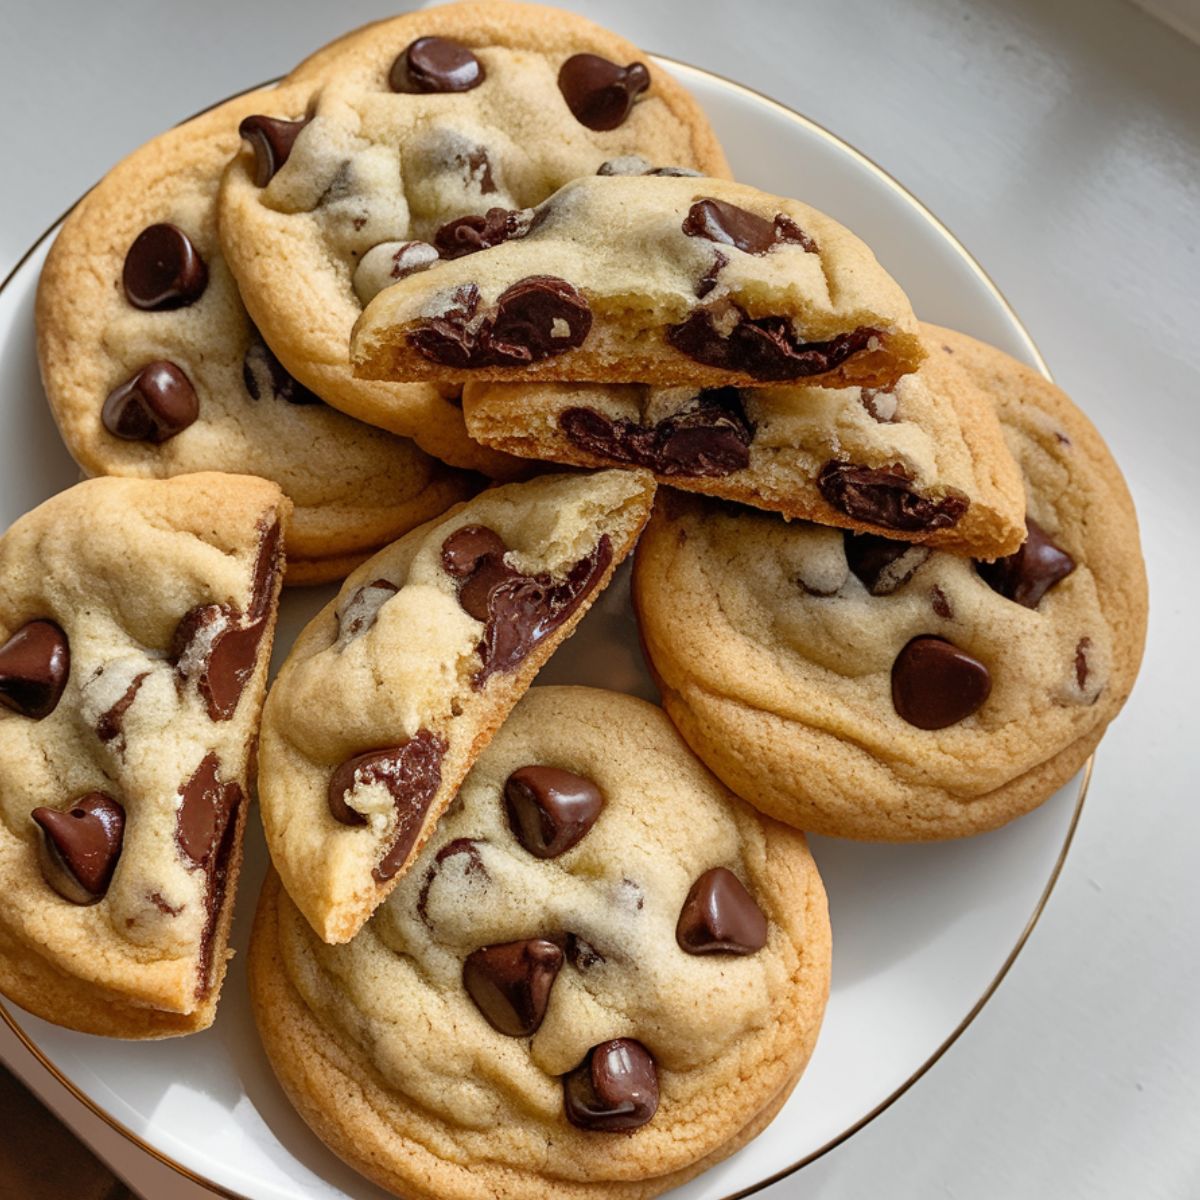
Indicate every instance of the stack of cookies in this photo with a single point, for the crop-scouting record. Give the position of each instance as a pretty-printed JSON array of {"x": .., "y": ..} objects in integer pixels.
[{"x": 461, "y": 312}]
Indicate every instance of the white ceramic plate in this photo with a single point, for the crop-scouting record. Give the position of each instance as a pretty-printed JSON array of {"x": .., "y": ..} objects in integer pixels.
[{"x": 922, "y": 934}]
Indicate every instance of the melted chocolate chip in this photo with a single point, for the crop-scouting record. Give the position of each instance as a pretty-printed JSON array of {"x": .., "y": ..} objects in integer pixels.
[
  {"x": 34, "y": 666},
  {"x": 882, "y": 564},
  {"x": 511, "y": 983},
  {"x": 709, "y": 437},
  {"x": 152, "y": 406},
  {"x": 935, "y": 684},
  {"x": 110, "y": 725},
  {"x": 466, "y": 235},
  {"x": 79, "y": 848},
  {"x": 477, "y": 168},
  {"x": 264, "y": 375},
  {"x": 208, "y": 805},
  {"x": 362, "y": 610},
  {"x": 885, "y": 496},
  {"x": 435, "y": 64},
  {"x": 581, "y": 954},
  {"x": 730, "y": 225},
  {"x": 272, "y": 140},
  {"x": 1082, "y": 670},
  {"x": 1032, "y": 571},
  {"x": 787, "y": 232},
  {"x": 720, "y": 917},
  {"x": 613, "y": 1089},
  {"x": 765, "y": 348},
  {"x": 215, "y": 650},
  {"x": 599, "y": 93},
  {"x": 941, "y": 603},
  {"x": 518, "y": 611},
  {"x": 474, "y": 869},
  {"x": 268, "y": 566},
  {"x": 163, "y": 270},
  {"x": 411, "y": 772},
  {"x": 549, "y": 809},
  {"x": 536, "y": 318},
  {"x": 708, "y": 280}
]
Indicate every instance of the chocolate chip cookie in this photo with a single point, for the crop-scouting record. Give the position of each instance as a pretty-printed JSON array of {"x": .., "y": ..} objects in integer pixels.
[
  {"x": 424, "y": 122},
  {"x": 603, "y": 974},
  {"x": 136, "y": 619},
  {"x": 395, "y": 687},
  {"x": 924, "y": 460},
  {"x": 153, "y": 368},
  {"x": 646, "y": 278},
  {"x": 861, "y": 687}
]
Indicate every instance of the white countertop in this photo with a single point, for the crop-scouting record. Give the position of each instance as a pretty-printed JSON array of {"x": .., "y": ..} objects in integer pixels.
[{"x": 1060, "y": 141}]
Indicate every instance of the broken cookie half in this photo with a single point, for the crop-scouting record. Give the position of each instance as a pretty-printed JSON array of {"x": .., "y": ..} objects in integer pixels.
[
  {"x": 645, "y": 279},
  {"x": 396, "y": 686},
  {"x": 136, "y": 621}
]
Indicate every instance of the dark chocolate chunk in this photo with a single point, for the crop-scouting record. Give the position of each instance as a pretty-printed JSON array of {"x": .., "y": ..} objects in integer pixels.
[
  {"x": 882, "y": 564},
  {"x": 34, "y": 666},
  {"x": 613, "y": 1089},
  {"x": 599, "y": 93},
  {"x": 213, "y": 648},
  {"x": 518, "y": 611},
  {"x": 265, "y": 376},
  {"x": 1032, "y": 571},
  {"x": 79, "y": 848},
  {"x": 536, "y": 318},
  {"x": 787, "y": 232},
  {"x": 549, "y": 809},
  {"x": 941, "y": 603},
  {"x": 885, "y": 496},
  {"x": 411, "y": 772},
  {"x": 435, "y": 64},
  {"x": 511, "y": 983},
  {"x": 466, "y": 235},
  {"x": 1082, "y": 668},
  {"x": 272, "y": 140},
  {"x": 708, "y": 280},
  {"x": 268, "y": 566},
  {"x": 765, "y": 348},
  {"x": 163, "y": 269},
  {"x": 935, "y": 684},
  {"x": 474, "y": 868},
  {"x": 151, "y": 406},
  {"x": 710, "y": 436},
  {"x": 110, "y": 725},
  {"x": 720, "y": 917},
  {"x": 732, "y": 226},
  {"x": 362, "y": 610},
  {"x": 209, "y": 803}
]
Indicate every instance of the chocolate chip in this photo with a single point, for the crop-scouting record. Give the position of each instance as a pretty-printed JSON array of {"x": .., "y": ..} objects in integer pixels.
[
  {"x": 549, "y": 809},
  {"x": 466, "y": 235},
  {"x": 213, "y": 648},
  {"x": 935, "y": 684},
  {"x": 708, "y": 280},
  {"x": 511, "y": 984},
  {"x": 477, "y": 168},
  {"x": 765, "y": 348},
  {"x": 264, "y": 375},
  {"x": 362, "y": 610},
  {"x": 152, "y": 406},
  {"x": 1081, "y": 661},
  {"x": 79, "y": 848},
  {"x": 732, "y": 226},
  {"x": 787, "y": 232},
  {"x": 710, "y": 436},
  {"x": 518, "y": 611},
  {"x": 885, "y": 496},
  {"x": 34, "y": 666},
  {"x": 163, "y": 269},
  {"x": 581, "y": 954},
  {"x": 268, "y": 566},
  {"x": 536, "y": 318},
  {"x": 613, "y": 1089},
  {"x": 435, "y": 64},
  {"x": 110, "y": 725},
  {"x": 599, "y": 93},
  {"x": 474, "y": 868},
  {"x": 272, "y": 140},
  {"x": 720, "y": 917},
  {"x": 634, "y": 164},
  {"x": 882, "y": 564},
  {"x": 412, "y": 774},
  {"x": 941, "y": 603},
  {"x": 209, "y": 803},
  {"x": 1032, "y": 571}
]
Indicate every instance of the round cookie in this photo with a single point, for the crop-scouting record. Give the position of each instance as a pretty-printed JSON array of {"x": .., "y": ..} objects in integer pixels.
[
  {"x": 856, "y": 687},
  {"x": 153, "y": 368},
  {"x": 360, "y": 171},
  {"x": 136, "y": 620},
  {"x": 605, "y": 974}
]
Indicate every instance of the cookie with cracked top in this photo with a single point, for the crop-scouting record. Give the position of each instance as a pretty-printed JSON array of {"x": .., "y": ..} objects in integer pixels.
[
  {"x": 415, "y": 130},
  {"x": 649, "y": 278},
  {"x": 866, "y": 688},
  {"x": 136, "y": 620},
  {"x": 153, "y": 368},
  {"x": 643, "y": 1000},
  {"x": 924, "y": 461},
  {"x": 394, "y": 688}
]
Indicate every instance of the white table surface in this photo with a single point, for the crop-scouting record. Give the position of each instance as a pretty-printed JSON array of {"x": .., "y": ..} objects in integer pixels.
[{"x": 1060, "y": 140}]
